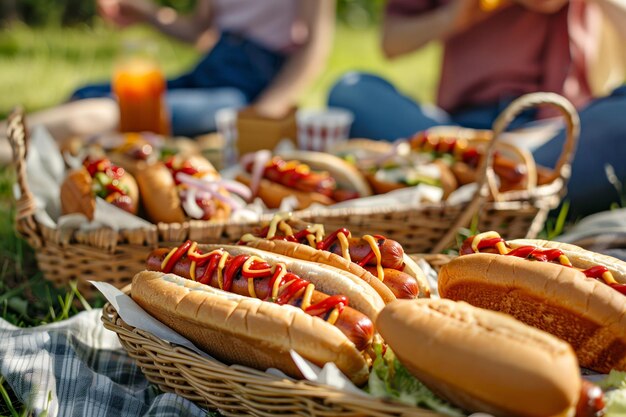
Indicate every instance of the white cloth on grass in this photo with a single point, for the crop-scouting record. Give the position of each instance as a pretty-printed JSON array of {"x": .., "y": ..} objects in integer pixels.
[{"x": 78, "y": 368}]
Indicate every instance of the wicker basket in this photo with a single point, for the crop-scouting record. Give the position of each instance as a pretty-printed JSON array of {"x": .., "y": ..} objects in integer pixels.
[
  {"x": 114, "y": 257},
  {"x": 237, "y": 390}
]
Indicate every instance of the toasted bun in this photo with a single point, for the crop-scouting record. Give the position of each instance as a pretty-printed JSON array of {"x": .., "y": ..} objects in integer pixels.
[
  {"x": 482, "y": 360},
  {"x": 560, "y": 300},
  {"x": 327, "y": 279},
  {"x": 243, "y": 330},
  {"x": 346, "y": 175},
  {"x": 273, "y": 193},
  {"x": 76, "y": 194},
  {"x": 159, "y": 194}
]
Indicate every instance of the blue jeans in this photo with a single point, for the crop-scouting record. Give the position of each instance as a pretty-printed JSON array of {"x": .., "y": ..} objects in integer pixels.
[
  {"x": 232, "y": 74},
  {"x": 602, "y": 138}
]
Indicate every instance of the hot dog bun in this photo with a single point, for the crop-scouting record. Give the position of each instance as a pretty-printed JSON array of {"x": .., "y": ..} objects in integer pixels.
[
  {"x": 159, "y": 195},
  {"x": 346, "y": 175},
  {"x": 308, "y": 253},
  {"x": 481, "y": 360},
  {"x": 379, "y": 261},
  {"x": 312, "y": 177},
  {"x": 78, "y": 193},
  {"x": 273, "y": 193},
  {"x": 244, "y": 330},
  {"x": 561, "y": 300},
  {"x": 442, "y": 177}
]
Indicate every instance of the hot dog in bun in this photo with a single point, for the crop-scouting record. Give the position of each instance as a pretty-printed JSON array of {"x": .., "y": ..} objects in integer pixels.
[
  {"x": 481, "y": 360},
  {"x": 312, "y": 177},
  {"x": 259, "y": 305},
  {"x": 464, "y": 157},
  {"x": 565, "y": 290},
  {"x": 388, "y": 167},
  {"x": 180, "y": 188},
  {"x": 98, "y": 177},
  {"x": 379, "y": 261}
]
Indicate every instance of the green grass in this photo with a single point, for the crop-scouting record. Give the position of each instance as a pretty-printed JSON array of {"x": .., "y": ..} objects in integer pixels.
[{"x": 41, "y": 67}]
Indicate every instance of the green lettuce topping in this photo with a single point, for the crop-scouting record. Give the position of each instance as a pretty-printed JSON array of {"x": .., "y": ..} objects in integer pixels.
[{"x": 391, "y": 380}]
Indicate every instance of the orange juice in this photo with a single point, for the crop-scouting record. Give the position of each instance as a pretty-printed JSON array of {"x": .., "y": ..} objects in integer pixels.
[{"x": 139, "y": 86}]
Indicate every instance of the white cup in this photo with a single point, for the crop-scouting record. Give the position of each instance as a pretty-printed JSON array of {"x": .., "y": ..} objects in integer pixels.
[
  {"x": 318, "y": 130},
  {"x": 226, "y": 122}
]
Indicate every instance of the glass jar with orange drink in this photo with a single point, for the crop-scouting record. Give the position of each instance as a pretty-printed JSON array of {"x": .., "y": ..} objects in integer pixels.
[{"x": 139, "y": 87}]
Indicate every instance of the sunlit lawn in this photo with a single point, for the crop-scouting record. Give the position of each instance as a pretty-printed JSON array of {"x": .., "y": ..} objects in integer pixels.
[{"x": 41, "y": 67}]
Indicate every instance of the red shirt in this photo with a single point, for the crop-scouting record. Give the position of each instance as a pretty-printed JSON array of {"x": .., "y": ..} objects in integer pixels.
[{"x": 512, "y": 52}]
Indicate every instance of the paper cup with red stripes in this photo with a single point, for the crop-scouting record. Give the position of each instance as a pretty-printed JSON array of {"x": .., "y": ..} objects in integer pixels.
[{"x": 319, "y": 130}]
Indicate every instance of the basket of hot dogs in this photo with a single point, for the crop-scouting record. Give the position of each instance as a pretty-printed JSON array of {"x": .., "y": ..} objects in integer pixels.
[
  {"x": 512, "y": 195},
  {"x": 173, "y": 195},
  {"x": 252, "y": 309}
]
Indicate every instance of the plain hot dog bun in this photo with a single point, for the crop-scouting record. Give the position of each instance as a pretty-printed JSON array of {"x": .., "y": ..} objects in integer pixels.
[
  {"x": 244, "y": 330},
  {"x": 585, "y": 312},
  {"x": 159, "y": 195},
  {"x": 481, "y": 360}
]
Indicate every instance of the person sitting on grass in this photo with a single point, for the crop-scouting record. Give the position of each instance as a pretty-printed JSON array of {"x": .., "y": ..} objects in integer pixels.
[{"x": 493, "y": 55}]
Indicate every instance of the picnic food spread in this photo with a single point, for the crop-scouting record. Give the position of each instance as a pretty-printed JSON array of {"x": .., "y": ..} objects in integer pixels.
[
  {"x": 575, "y": 294},
  {"x": 177, "y": 184},
  {"x": 260, "y": 305}
]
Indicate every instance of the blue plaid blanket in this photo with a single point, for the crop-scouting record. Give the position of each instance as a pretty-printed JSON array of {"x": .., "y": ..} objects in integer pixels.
[{"x": 78, "y": 368}]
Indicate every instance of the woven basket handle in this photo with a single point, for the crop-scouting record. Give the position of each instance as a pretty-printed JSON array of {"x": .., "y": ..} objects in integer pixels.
[
  {"x": 485, "y": 171},
  {"x": 25, "y": 206},
  {"x": 562, "y": 169}
]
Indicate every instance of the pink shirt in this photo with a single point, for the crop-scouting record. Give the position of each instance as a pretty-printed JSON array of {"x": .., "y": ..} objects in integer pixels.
[
  {"x": 271, "y": 23},
  {"x": 512, "y": 52}
]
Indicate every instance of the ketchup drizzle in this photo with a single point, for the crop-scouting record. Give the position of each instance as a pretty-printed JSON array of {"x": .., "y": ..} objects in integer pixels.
[
  {"x": 257, "y": 269},
  {"x": 541, "y": 255}
]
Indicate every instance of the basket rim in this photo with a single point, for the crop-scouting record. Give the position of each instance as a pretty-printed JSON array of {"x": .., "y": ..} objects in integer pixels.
[{"x": 381, "y": 406}]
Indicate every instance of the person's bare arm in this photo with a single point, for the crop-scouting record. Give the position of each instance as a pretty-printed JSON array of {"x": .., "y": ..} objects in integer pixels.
[
  {"x": 195, "y": 28},
  {"x": 404, "y": 34},
  {"x": 318, "y": 16}
]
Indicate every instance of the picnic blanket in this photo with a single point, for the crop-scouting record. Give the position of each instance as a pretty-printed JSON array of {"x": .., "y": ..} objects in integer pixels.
[{"x": 78, "y": 368}]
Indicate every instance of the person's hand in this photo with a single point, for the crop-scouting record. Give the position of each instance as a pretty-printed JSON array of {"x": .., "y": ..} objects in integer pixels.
[
  {"x": 543, "y": 6},
  {"x": 466, "y": 13},
  {"x": 126, "y": 12}
]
